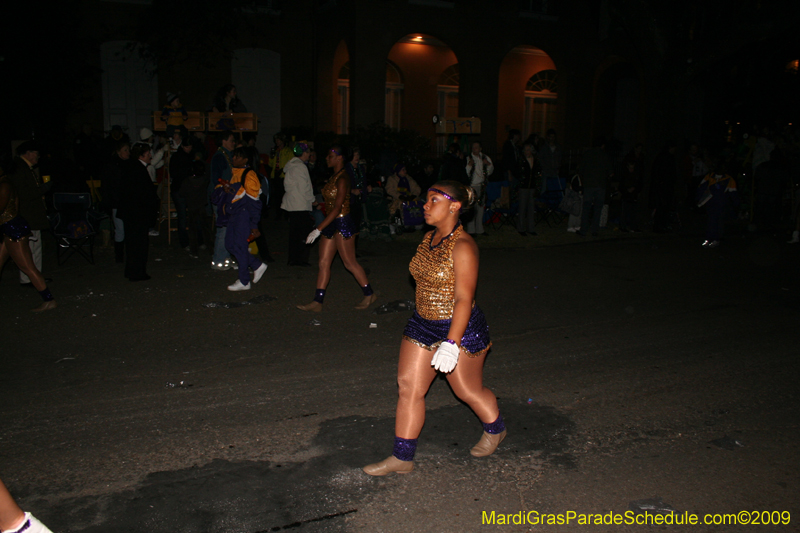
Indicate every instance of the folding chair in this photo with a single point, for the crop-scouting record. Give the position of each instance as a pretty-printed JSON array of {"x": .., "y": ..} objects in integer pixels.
[
  {"x": 376, "y": 218},
  {"x": 500, "y": 210},
  {"x": 549, "y": 200},
  {"x": 74, "y": 225}
]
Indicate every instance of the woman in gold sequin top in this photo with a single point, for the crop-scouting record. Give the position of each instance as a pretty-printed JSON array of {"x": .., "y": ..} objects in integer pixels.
[
  {"x": 14, "y": 234},
  {"x": 446, "y": 320},
  {"x": 338, "y": 230}
]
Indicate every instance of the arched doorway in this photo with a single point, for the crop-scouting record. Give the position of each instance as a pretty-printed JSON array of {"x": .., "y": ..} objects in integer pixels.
[{"x": 527, "y": 92}]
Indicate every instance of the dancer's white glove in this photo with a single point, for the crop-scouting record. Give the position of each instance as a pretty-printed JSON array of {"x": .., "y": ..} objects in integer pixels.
[
  {"x": 446, "y": 357},
  {"x": 312, "y": 236}
]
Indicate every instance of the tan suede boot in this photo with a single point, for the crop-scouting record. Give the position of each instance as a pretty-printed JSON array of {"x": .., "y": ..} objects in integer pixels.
[
  {"x": 367, "y": 301},
  {"x": 389, "y": 465},
  {"x": 488, "y": 444},
  {"x": 46, "y": 306},
  {"x": 314, "y": 306}
]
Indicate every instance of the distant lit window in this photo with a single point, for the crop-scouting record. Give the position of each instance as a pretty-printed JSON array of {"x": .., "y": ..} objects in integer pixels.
[
  {"x": 447, "y": 94},
  {"x": 394, "y": 96},
  {"x": 447, "y": 90},
  {"x": 343, "y": 100},
  {"x": 541, "y": 96},
  {"x": 544, "y": 81}
]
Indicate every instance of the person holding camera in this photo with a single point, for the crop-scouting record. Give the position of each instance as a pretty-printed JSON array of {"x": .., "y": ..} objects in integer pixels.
[{"x": 479, "y": 168}]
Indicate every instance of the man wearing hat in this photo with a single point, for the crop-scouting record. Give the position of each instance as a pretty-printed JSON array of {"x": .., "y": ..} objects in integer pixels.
[
  {"x": 30, "y": 191},
  {"x": 157, "y": 149},
  {"x": 110, "y": 143}
]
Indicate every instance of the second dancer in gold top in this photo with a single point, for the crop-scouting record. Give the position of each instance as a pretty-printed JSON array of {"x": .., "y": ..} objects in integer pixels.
[{"x": 338, "y": 230}]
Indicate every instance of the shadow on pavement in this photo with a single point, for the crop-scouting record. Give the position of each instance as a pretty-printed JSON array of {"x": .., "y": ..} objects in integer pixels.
[{"x": 316, "y": 495}]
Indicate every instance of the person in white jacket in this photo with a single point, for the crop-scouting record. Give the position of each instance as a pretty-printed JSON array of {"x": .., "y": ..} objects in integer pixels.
[
  {"x": 298, "y": 200},
  {"x": 479, "y": 168}
]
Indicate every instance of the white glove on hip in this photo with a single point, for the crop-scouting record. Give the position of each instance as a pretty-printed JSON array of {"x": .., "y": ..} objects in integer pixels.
[
  {"x": 446, "y": 357},
  {"x": 312, "y": 236}
]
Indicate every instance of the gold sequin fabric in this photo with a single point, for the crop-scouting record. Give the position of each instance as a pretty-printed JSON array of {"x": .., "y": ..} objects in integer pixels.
[
  {"x": 330, "y": 190},
  {"x": 432, "y": 268}
]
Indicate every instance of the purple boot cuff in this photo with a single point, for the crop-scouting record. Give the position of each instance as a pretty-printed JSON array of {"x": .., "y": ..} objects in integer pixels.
[
  {"x": 495, "y": 427},
  {"x": 404, "y": 449}
]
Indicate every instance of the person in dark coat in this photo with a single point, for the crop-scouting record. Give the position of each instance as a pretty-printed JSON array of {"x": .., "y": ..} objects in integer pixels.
[
  {"x": 138, "y": 209},
  {"x": 30, "y": 190},
  {"x": 111, "y": 178},
  {"x": 512, "y": 158},
  {"x": 530, "y": 177},
  {"x": 662, "y": 187},
  {"x": 180, "y": 168},
  {"x": 595, "y": 169},
  {"x": 453, "y": 166},
  {"x": 194, "y": 192},
  {"x": 630, "y": 185}
]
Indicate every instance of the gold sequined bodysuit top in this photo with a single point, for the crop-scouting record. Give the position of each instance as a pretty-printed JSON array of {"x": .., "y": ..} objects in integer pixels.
[
  {"x": 11, "y": 208},
  {"x": 432, "y": 268},
  {"x": 330, "y": 190}
]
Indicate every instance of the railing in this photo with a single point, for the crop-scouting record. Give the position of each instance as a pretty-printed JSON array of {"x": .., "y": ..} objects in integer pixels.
[{"x": 200, "y": 121}]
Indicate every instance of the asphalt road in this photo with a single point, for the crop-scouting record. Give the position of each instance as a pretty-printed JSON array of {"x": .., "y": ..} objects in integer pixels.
[{"x": 617, "y": 362}]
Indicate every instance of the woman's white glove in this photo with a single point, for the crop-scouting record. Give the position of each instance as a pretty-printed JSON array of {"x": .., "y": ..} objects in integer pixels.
[
  {"x": 312, "y": 236},
  {"x": 446, "y": 357}
]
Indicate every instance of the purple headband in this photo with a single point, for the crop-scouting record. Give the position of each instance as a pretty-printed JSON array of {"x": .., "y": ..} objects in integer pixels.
[
  {"x": 335, "y": 151},
  {"x": 434, "y": 189},
  {"x": 446, "y": 195}
]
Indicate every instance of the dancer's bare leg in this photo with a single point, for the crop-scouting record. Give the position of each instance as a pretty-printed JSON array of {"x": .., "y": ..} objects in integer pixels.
[
  {"x": 20, "y": 252},
  {"x": 327, "y": 251},
  {"x": 347, "y": 251},
  {"x": 11, "y": 515},
  {"x": 414, "y": 377},
  {"x": 467, "y": 383}
]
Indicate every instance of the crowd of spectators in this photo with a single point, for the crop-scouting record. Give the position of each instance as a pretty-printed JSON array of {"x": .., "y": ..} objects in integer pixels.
[{"x": 753, "y": 179}]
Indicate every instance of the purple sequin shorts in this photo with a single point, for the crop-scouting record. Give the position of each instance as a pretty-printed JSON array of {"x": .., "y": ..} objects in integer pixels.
[
  {"x": 16, "y": 228},
  {"x": 429, "y": 334},
  {"x": 344, "y": 225}
]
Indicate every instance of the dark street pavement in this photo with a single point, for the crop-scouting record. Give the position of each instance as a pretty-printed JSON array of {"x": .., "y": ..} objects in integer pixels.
[{"x": 617, "y": 362}]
